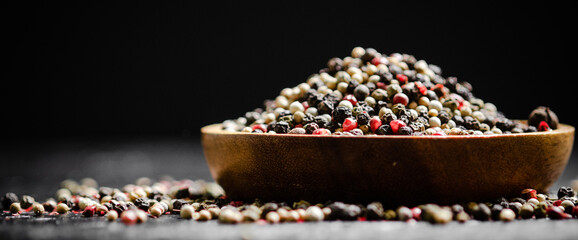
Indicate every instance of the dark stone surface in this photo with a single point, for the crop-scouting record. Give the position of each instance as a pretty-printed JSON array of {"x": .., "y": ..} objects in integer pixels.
[
  {"x": 172, "y": 227},
  {"x": 37, "y": 167}
]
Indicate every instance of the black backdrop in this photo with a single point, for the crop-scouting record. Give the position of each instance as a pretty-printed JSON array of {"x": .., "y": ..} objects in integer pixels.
[{"x": 89, "y": 69}]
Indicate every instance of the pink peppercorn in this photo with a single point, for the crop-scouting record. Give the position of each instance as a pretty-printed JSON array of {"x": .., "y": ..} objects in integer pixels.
[
  {"x": 321, "y": 131},
  {"x": 543, "y": 126},
  {"x": 400, "y": 98},
  {"x": 351, "y": 99},
  {"x": 129, "y": 217},
  {"x": 374, "y": 123},
  {"x": 89, "y": 211},
  {"x": 396, "y": 124},
  {"x": 349, "y": 124},
  {"x": 261, "y": 127},
  {"x": 401, "y": 78}
]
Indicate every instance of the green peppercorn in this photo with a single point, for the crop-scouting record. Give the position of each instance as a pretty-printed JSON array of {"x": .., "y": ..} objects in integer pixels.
[
  {"x": 38, "y": 209},
  {"x": 62, "y": 208},
  {"x": 527, "y": 211},
  {"x": 15, "y": 208}
]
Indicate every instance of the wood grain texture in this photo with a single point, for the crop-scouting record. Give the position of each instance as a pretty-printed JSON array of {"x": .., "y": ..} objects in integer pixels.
[{"x": 392, "y": 169}]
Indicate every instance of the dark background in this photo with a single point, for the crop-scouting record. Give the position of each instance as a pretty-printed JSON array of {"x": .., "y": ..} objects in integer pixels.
[
  {"x": 84, "y": 85},
  {"x": 85, "y": 69}
]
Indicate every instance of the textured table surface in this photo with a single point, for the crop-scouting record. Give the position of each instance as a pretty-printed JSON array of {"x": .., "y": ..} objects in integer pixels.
[{"x": 36, "y": 168}]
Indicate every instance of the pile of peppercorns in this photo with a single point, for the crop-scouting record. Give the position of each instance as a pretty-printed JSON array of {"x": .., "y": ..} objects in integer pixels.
[
  {"x": 203, "y": 201},
  {"x": 369, "y": 93}
]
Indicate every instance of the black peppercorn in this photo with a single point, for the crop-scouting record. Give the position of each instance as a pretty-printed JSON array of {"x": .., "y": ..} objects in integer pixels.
[
  {"x": 444, "y": 116},
  {"x": 342, "y": 211},
  {"x": 268, "y": 207},
  {"x": 361, "y": 92},
  {"x": 405, "y": 130},
  {"x": 341, "y": 113},
  {"x": 384, "y": 129},
  {"x": 183, "y": 193},
  {"x": 281, "y": 127},
  {"x": 334, "y": 65},
  {"x": 565, "y": 192},
  {"x": 481, "y": 212},
  {"x": 375, "y": 211},
  {"x": 363, "y": 118},
  {"x": 8, "y": 199},
  {"x": 543, "y": 114},
  {"x": 310, "y": 127}
]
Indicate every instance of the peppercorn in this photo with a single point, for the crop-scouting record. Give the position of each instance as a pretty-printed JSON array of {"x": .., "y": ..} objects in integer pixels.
[
  {"x": 555, "y": 212},
  {"x": 15, "y": 208},
  {"x": 384, "y": 129},
  {"x": 62, "y": 208},
  {"x": 404, "y": 213},
  {"x": 543, "y": 114},
  {"x": 565, "y": 192},
  {"x": 481, "y": 212},
  {"x": 8, "y": 199},
  {"x": 527, "y": 211},
  {"x": 204, "y": 215},
  {"x": 230, "y": 216},
  {"x": 507, "y": 215},
  {"x": 49, "y": 205},
  {"x": 89, "y": 211},
  {"x": 281, "y": 127},
  {"x": 342, "y": 211},
  {"x": 27, "y": 201},
  {"x": 111, "y": 216},
  {"x": 568, "y": 206},
  {"x": 187, "y": 212}
]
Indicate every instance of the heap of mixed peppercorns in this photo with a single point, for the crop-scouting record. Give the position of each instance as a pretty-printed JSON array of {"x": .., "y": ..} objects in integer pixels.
[
  {"x": 202, "y": 201},
  {"x": 372, "y": 93}
]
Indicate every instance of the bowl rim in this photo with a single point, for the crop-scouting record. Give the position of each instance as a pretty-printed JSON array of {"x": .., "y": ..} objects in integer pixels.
[{"x": 216, "y": 129}]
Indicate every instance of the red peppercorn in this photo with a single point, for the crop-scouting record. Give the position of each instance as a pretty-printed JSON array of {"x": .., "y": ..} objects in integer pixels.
[
  {"x": 557, "y": 203},
  {"x": 416, "y": 212},
  {"x": 374, "y": 123},
  {"x": 401, "y": 78},
  {"x": 543, "y": 126},
  {"x": 396, "y": 124},
  {"x": 89, "y": 211},
  {"x": 129, "y": 217},
  {"x": 349, "y": 124},
  {"x": 321, "y": 131},
  {"x": 400, "y": 98},
  {"x": 379, "y": 60},
  {"x": 440, "y": 133},
  {"x": 381, "y": 85},
  {"x": 575, "y": 212},
  {"x": 422, "y": 89},
  {"x": 261, "y": 127},
  {"x": 555, "y": 212},
  {"x": 305, "y": 105},
  {"x": 529, "y": 193},
  {"x": 351, "y": 99}
]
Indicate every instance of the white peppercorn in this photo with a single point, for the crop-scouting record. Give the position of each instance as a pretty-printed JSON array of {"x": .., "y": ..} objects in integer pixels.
[
  {"x": 112, "y": 215},
  {"x": 314, "y": 214},
  {"x": 187, "y": 212}
]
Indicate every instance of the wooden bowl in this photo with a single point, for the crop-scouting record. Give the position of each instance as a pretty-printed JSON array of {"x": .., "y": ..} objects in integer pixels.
[{"x": 395, "y": 170}]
